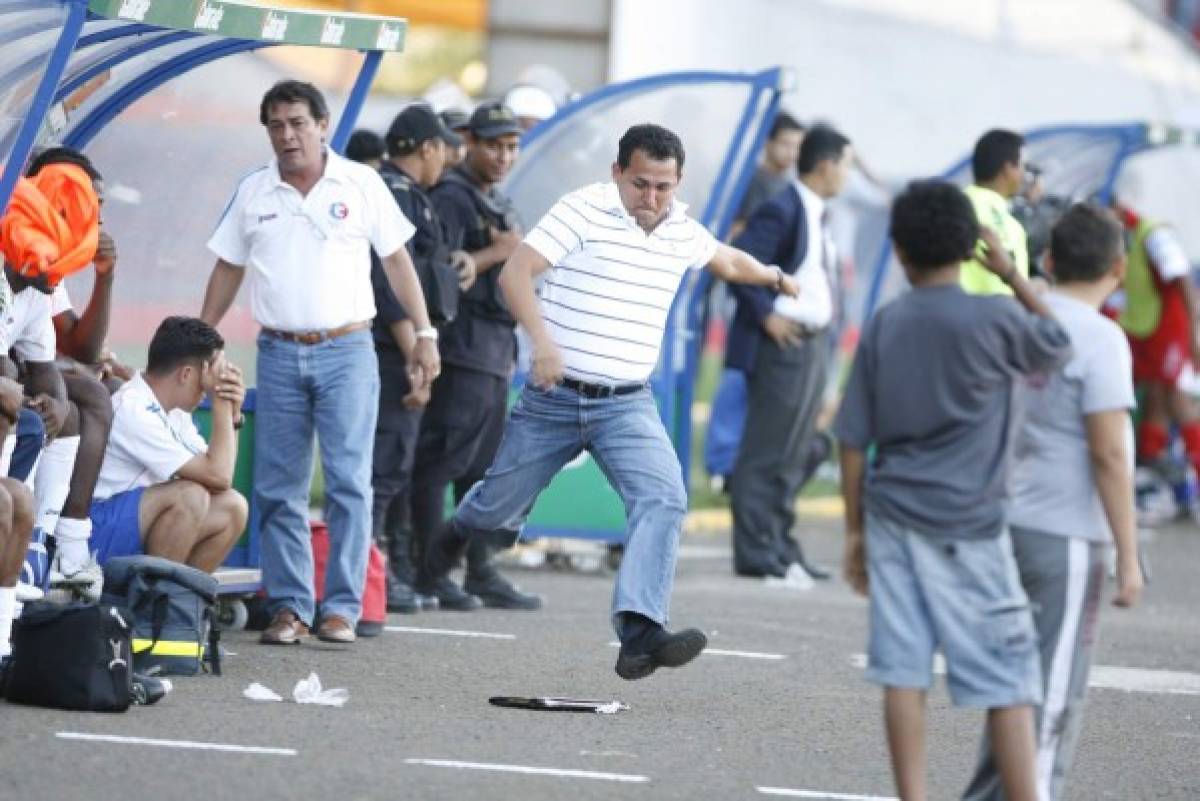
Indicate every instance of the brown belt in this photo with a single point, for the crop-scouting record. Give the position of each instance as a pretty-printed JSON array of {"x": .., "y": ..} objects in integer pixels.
[{"x": 314, "y": 337}]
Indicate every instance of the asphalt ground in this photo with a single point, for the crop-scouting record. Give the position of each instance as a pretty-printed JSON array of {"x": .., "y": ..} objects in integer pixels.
[{"x": 794, "y": 715}]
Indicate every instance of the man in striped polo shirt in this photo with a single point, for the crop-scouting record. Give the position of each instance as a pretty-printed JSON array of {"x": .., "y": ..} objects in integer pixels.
[{"x": 616, "y": 254}]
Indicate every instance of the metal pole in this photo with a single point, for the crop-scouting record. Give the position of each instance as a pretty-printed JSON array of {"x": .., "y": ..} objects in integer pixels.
[{"x": 42, "y": 98}]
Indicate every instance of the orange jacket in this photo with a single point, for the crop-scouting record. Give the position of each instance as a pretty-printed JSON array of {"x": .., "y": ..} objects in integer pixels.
[{"x": 52, "y": 224}]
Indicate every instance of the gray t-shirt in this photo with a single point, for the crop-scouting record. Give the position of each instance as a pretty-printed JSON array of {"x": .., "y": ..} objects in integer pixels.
[
  {"x": 1052, "y": 485},
  {"x": 932, "y": 389},
  {"x": 762, "y": 187}
]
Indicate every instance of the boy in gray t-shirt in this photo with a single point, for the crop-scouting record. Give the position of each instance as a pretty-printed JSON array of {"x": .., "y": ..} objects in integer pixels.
[
  {"x": 932, "y": 392},
  {"x": 1072, "y": 489}
]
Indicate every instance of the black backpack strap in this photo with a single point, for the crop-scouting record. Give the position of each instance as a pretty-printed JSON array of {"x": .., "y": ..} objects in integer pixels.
[{"x": 214, "y": 643}]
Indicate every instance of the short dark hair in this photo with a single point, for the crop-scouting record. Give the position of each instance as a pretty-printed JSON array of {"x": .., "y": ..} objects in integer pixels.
[
  {"x": 933, "y": 224},
  {"x": 654, "y": 140},
  {"x": 364, "y": 145},
  {"x": 62, "y": 155},
  {"x": 179, "y": 340},
  {"x": 821, "y": 143},
  {"x": 287, "y": 92},
  {"x": 993, "y": 151},
  {"x": 1085, "y": 242},
  {"x": 784, "y": 122}
]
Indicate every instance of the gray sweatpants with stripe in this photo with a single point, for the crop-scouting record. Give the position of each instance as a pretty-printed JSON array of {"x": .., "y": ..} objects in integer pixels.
[{"x": 1063, "y": 577}]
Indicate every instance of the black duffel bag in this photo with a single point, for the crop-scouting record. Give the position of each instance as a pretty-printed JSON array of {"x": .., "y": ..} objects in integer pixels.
[{"x": 74, "y": 657}]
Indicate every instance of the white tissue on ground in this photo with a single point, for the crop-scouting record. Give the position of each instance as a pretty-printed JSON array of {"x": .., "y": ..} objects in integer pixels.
[
  {"x": 257, "y": 692},
  {"x": 308, "y": 691}
]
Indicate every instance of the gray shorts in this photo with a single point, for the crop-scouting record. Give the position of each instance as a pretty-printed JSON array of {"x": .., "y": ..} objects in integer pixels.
[{"x": 962, "y": 596}]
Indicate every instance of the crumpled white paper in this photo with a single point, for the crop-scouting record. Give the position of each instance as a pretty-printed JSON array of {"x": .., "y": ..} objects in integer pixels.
[
  {"x": 257, "y": 692},
  {"x": 308, "y": 691}
]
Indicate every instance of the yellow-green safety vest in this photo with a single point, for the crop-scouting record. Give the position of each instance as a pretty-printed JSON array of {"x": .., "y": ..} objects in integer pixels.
[
  {"x": 991, "y": 209},
  {"x": 1143, "y": 301}
]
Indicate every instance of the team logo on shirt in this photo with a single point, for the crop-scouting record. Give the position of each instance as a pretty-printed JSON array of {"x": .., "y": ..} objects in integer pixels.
[{"x": 339, "y": 210}]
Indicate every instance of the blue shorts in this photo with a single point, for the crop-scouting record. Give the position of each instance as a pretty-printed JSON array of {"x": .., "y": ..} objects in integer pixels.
[
  {"x": 115, "y": 530},
  {"x": 962, "y": 596}
]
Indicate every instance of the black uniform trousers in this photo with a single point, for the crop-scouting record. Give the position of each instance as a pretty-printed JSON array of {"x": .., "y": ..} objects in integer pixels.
[
  {"x": 396, "y": 434},
  {"x": 460, "y": 434}
]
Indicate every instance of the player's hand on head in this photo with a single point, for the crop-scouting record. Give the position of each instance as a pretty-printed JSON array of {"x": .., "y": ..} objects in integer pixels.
[{"x": 106, "y": 254}]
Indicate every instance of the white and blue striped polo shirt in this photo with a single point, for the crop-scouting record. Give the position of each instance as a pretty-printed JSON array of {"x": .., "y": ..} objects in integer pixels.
[{"x": 607, "y": 295}]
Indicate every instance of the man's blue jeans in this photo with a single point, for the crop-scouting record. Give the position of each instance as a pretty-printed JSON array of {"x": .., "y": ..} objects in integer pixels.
[
  {"x": 548, "y": 428},
  {"x": 331, "y": 388}
]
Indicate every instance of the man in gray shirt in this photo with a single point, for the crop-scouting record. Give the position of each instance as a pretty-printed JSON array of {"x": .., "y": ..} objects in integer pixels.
[{"x": 932, "y": 391}]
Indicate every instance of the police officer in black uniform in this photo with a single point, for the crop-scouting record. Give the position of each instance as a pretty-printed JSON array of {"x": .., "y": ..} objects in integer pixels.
[
  {"x": 417, "y": 143},
  {"x": 461, "y": 429}
]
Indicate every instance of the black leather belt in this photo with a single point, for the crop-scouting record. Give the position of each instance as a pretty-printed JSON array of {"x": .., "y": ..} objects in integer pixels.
[{"x": 599, "y": 390}]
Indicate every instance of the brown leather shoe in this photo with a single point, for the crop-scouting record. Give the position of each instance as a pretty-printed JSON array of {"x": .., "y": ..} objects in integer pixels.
[
  {"x": 285, "y": 629},
  {"x": 335, "y": 628}
]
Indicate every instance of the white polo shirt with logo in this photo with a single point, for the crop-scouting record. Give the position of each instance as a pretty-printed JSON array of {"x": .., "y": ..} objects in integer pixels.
[
  {"x": 607, "y": 295},
  {"x": 310, "y": 257},
  {"x": 147, "y": 444}
]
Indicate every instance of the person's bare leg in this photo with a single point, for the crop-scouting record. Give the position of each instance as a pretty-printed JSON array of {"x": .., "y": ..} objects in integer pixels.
[
  {"x": 169, "y": 518},
  {"x": 904, "y": 717},
  {"x": 12, "y": 549},
  {"x": 94, "y": 408},
  {"x": 219, "y": 530},
  {"x": 1013, "y": 748}
]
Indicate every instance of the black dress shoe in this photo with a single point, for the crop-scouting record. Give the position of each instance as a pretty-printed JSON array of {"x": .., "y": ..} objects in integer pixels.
[
  {"x": 449, "y": 595},
  {"x": 815, "y": 571},
  {"x": 497, "y": 592},
  {"x": 401, "y": 597},
  {"x": 657, "y": 647}
]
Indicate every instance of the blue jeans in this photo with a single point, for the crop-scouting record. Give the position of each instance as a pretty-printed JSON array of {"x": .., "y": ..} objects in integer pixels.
[
  {"x": 548, "y": 428},
  {"x": 331, "y": 388}
]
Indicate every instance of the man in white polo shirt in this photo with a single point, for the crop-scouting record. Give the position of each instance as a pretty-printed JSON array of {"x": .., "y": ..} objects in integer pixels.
[
  {"x": 616, "y": 254},
  {"x": 163, "y": 490},
  {"x": 303, "y": 227}
]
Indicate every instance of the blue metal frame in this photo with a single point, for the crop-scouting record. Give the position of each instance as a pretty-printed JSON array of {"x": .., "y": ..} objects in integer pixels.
[
  {"x": 1133, "y": 138},
  {"x": 767, "y": 81},
  {"x": 358, "y": 96},
  {"x": 119, "y": 57},
  {"x": 120, "y": 100},
  {"x": 43, "y": 97}
]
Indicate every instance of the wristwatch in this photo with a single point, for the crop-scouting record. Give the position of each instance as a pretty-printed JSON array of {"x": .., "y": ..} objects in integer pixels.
[
  {"x": 429, "y": 333},
  {"x": 778, "y": 278}
]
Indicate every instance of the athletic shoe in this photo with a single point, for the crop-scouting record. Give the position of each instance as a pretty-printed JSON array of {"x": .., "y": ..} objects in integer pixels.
[
  {"x": 86, "y": 582},
  {"x": 796, "y": 578},
  {"x": 149, "y": 690}
]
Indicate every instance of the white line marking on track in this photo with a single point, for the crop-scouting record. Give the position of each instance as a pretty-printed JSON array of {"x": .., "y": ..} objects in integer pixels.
[
  {"x": 569, "y": 774},
  {"x": 1105, "y": 677},
  {"x": 722, "y": 652},
  {"x": 822, "y": 794},
  {"x": 450, "y": 632},
  {"x": 187, "y": 744}
]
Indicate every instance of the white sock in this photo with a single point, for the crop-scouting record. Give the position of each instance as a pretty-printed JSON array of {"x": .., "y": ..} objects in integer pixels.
[
  {"x": 53, "y": 481},
  {"x": 72, "y": 537},
  {"x": 8, "y": 604}
]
